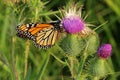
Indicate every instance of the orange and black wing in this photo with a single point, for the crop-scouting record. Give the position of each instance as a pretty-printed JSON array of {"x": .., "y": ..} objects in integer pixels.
[
  {"x": 43, "y": 35},
  {"x": 46, "y": 37},
  {"x": 22, "y": 30}
]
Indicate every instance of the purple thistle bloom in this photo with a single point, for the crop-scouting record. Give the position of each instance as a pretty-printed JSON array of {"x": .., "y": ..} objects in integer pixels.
[
  {"x": 104, "y": 51},
  {"x": 72, "y": 21},
  {"x": 73, "y": 24}
]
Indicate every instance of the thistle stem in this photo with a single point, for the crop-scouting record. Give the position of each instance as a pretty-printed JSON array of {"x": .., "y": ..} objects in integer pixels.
[{"x": 71, "y": 59}]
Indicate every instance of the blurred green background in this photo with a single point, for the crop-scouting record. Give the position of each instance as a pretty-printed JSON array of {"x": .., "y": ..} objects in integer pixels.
[{"x": 14, "y": 50}]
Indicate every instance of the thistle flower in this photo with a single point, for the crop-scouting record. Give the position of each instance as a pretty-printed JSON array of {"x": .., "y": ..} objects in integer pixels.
[
  {"x": 74, "y": 24},
  {"x": 104, "y": 51},
  {"x": 72, "y": 21}
]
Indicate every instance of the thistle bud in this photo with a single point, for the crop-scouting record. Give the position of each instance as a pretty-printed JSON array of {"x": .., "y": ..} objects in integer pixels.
[
  {"x": 104, "y": 51},
  {"x": 98, "y": 68}
]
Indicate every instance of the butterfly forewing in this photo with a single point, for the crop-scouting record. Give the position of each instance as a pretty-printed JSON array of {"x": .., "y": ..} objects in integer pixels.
[{"x": 21, "y": 31}]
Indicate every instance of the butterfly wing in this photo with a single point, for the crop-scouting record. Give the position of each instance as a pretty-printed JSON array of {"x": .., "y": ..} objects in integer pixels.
[
  {"x": 46, "y": 37},
  {"x": 22, "y": 30},
  {"x": 43, "y": 35}
]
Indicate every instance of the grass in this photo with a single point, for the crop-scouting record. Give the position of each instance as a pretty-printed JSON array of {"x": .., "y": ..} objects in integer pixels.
[{"x": 21, "y": 60}]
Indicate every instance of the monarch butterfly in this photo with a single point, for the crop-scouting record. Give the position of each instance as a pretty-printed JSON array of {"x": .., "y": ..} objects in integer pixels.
[{"x": 42, "y": 34}]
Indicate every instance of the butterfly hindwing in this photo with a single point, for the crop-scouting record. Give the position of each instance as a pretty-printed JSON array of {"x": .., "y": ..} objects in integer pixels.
[{"x": 46, "y": 38}]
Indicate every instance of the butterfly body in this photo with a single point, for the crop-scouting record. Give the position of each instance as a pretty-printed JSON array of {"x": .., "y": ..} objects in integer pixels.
[{"x": 42, "y": 34}]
